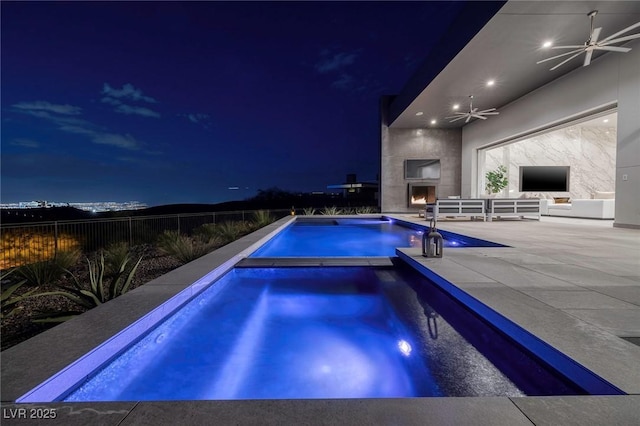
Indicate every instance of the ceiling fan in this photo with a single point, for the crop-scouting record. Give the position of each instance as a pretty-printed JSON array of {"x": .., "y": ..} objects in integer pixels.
[
  {"x": 593, "y": 44},
  {"x": 473, "y": 113}
]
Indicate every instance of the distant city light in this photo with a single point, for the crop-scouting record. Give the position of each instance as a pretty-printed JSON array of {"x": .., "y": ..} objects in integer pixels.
[{"x": 93, "y": 206}]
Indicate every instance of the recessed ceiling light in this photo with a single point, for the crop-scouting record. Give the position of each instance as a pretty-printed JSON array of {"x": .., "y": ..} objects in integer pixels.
[
  {"x": 547, "y": 43},
  {"x": 456, "y": 106},
  {"x": 491, "y": 82},
  {"x": 606, "y": 120},
  {"x": 419, "y": 113},
  {"x": 433, "y": 121}
]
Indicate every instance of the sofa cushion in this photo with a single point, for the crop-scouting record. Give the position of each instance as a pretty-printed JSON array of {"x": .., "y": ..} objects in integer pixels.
[{"x": 559, "y": 207}]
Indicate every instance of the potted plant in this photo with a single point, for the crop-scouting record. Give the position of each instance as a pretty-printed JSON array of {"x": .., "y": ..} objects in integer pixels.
[{"x": 496, "y": 180}]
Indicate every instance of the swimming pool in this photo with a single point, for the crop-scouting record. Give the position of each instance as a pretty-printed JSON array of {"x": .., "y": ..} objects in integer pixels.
[
  {"x": 255, "y": 324},
  {"x": 320, "y": 237},
  {"x": 339, "y": 332}
]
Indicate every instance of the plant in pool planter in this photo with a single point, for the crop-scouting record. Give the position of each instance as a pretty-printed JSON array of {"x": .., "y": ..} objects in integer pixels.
[
  {"x": 103, "y": 286},
  {"x": 496, "y": 180}
]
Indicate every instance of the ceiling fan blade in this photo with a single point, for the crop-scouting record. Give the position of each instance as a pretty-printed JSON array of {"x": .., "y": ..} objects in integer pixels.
[
  {"x": 629, "y": 28},
  {"x": 595, "y": 34},
  {"x": 457, "y": 118},
  {"x": 560, "y": 56},
  {"x": 486, "y": 110},
  {"x": 618, "y": 40},
  {"x": 468, "y": 118},
  {"x": 565, "y": 61},
  {"x": 479, "y": 116},
  {"x": 489, "y": 113},
  {"x": 587, "y": 58},
  {"x": 458, "y": 115},
  {"x": 573, "y": 46},
  {"x": 613, "y": 48}
]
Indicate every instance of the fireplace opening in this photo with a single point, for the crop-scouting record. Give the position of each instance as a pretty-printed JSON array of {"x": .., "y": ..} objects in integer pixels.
[{"x": 419, "y": 195}]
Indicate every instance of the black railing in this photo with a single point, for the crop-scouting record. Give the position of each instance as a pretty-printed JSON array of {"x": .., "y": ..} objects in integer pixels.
[{"x": 36, "y": 242}]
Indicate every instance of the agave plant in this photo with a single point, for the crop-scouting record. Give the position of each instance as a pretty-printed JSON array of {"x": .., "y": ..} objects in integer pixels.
[
  {"x": 365, "y": 210},
  {"x": 8, "y": 297},
  {"x": 330, "y": 211},
  {"x": 102, "y": 288},
  {"x": 309, "y": 211}
]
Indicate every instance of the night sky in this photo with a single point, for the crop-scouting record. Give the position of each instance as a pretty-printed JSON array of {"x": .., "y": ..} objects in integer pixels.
[{"x": 176, "y": 102}]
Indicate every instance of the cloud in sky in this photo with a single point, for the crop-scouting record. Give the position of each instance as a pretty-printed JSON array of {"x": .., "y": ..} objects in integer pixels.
[
  {"x": 344, "y": 82},
  {"x": 27, "y": 143},
  {"x": 128, "y": 109},
  {"x": 46, "y": 106},
  {"x": 198, "y": 118},
  {"x": 75, "y": 125},
  {"x": 329, "y": 62},
  {"x": 128, "y": 91}
]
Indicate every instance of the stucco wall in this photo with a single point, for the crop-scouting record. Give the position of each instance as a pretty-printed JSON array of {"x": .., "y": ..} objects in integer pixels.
[{"x": 397, "y": 145}]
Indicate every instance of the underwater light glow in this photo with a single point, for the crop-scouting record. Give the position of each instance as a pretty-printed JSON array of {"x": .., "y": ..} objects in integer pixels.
[{"x": 404, "y": 347}]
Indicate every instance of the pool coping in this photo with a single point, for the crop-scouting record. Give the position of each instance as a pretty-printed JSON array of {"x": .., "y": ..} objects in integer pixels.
[{"x": 29, "y": 363}]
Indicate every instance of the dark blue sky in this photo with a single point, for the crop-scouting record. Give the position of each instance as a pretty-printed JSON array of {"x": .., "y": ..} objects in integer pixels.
[{"x": 165, "y": 102}]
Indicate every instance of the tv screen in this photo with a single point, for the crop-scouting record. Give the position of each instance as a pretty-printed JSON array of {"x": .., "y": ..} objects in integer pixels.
[
  {"x": 422, "y": 169},
  {"x": 544, "y": 178}
]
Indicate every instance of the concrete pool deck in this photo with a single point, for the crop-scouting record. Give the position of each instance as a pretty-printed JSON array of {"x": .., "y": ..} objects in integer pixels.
[{"x": 574, "y": 284}]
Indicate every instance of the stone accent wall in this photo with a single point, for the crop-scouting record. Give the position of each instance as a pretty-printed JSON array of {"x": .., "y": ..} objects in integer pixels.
[{"x": 589, "y": 151}]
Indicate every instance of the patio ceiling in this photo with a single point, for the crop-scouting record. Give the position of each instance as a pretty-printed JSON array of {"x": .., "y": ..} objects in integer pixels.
[{"x": 506, "y": 50}]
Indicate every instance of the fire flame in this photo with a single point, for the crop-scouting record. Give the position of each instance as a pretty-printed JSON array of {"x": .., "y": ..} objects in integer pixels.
[{"x": 418, "y": 200}]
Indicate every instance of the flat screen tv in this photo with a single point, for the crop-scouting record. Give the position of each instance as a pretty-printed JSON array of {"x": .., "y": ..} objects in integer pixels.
[
  {"x": 544, "y": 178},
  {"x": 422, "y": 169}
]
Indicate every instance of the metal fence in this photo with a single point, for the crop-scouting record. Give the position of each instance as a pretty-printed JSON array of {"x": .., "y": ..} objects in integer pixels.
[{"x": 35, "y": 242}]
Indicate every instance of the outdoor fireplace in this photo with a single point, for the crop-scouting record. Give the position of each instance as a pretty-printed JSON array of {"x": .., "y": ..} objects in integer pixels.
[{"x": 421, "y": 194}]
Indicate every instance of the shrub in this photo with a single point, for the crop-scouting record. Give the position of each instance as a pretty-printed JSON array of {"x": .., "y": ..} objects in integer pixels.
[
  {"x": 48, "y": 271},
  {"x": 115, "y": 256},
  {"x": 8, "y": 297},
  {"x": 206, "y": 233},
  {"x": 330, "y": 211},
  {"x": 184, "y": 248},
  {"x": 262, "y": 218},
  {"x": 231, "y": 230}
]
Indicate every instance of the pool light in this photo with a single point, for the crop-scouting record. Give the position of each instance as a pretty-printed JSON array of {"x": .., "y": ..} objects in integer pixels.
[{"x": 404, "y": 347}]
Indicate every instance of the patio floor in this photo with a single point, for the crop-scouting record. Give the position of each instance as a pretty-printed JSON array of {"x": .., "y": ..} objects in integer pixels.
[{"x": 573, "y": 283}]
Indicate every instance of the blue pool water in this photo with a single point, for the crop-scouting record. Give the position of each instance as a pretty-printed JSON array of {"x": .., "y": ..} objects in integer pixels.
[
  {"x": 354, "y": 237},
  {"x": 325, "y": 332}
]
